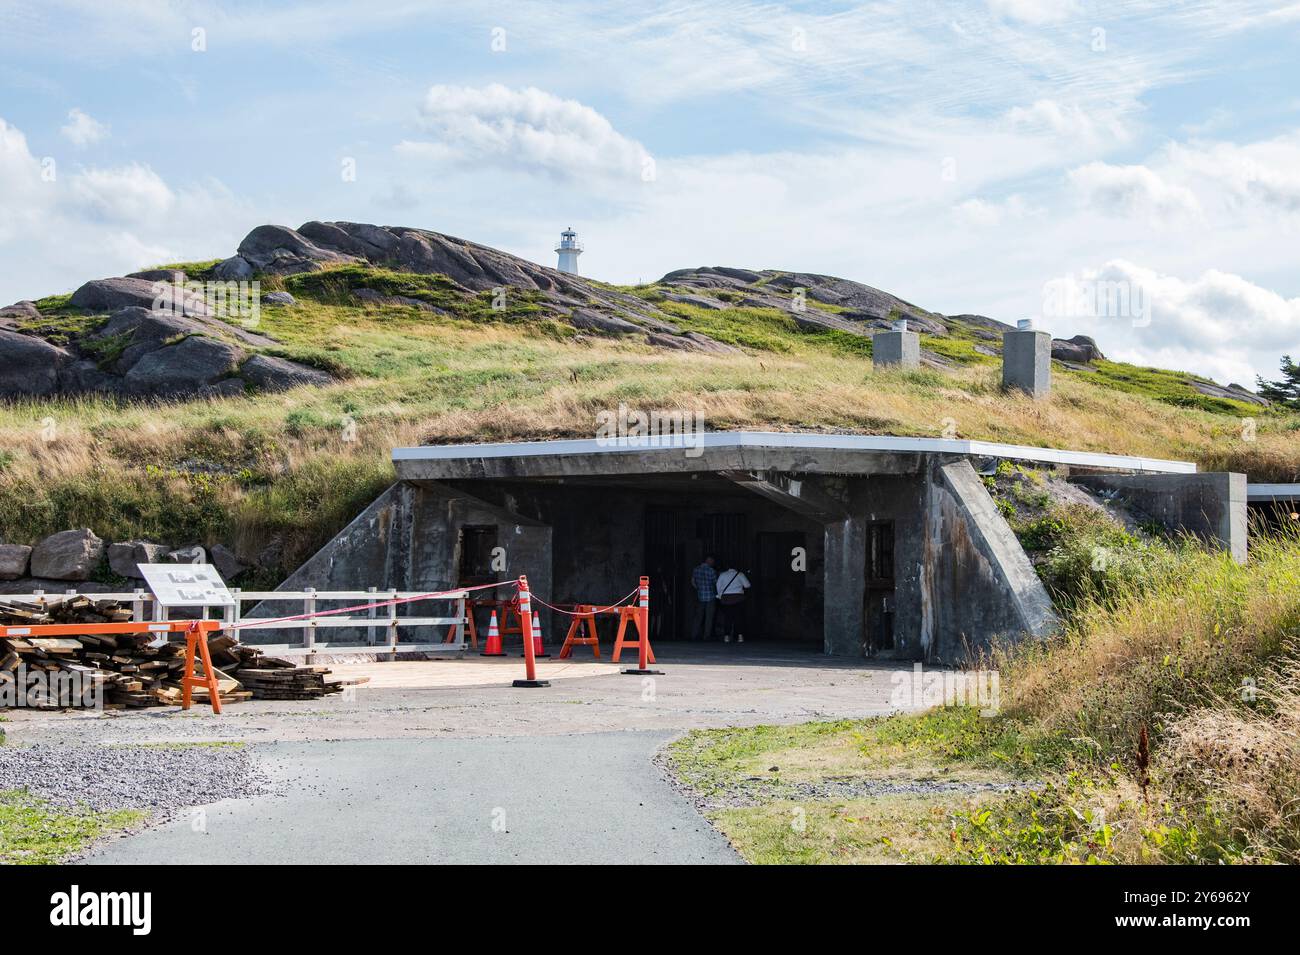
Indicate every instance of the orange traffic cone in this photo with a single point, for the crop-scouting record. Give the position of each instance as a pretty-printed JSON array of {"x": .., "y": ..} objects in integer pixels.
[
  {"x": 539, "y": 648},
  {"x": 493, "y": 646}
]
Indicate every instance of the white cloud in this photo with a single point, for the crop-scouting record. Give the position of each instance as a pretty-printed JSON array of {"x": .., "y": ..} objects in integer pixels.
[
  {"x": 127, "y": 194},
  {"x": 984, "y": 213},
  {"x": 20, "y": 182},
  {"x": 1267, "y": 173},
  {"x": 60, "y": 228},
  {"x": 1035, "y": 11},
  {"x": 528, "y": 130},
  {"x": 1089, "y": 126},
  {"x": 83, "y": 130},
  {"x": 1133, "y": 191},
  {"x": 1219, "y": 324}
]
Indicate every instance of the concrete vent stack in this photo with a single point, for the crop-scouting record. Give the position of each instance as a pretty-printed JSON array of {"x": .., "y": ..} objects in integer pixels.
[
  {"x": 896, "y": 348},
  {"x": 1027, "y": 359}
]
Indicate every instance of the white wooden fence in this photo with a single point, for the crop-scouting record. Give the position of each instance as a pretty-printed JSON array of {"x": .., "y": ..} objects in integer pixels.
[{"x": 382, "y": 625}]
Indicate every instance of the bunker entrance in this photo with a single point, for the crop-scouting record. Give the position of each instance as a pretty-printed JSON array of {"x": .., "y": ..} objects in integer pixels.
[{"x": 607, "y": 531}]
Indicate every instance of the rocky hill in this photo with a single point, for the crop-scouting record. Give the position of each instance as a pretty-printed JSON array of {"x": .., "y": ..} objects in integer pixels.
[{"x": 169, "y": 332}]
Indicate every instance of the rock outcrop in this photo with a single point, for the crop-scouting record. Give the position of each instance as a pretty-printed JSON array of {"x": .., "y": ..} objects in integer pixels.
[
  {"x": 1079, "y": 350},
  {"x": 67, "y": 555},
  {"x": 188, "y": 367},
  {"x": 1234, "y": 392},
  {"x": 29, "y": 365},
  {"x": 160, "y": 339},
  {"x": 13, "y": 560},
  {"x": 279, "y": 374},
  {"x": 125, "y": 558},
  {"x": 107, "y": 295}
]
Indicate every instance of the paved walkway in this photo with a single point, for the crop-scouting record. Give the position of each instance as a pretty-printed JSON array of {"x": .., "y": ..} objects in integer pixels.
[
  {"x": 596, "y": 798},
  {"x": 410, "y": 767}
]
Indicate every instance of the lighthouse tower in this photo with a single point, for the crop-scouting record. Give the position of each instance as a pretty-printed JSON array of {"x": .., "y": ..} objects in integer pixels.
[{"x": 569, "y": 249}]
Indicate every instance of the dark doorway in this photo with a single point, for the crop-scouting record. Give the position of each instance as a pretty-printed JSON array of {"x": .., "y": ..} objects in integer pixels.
[
  {"x": 879, "y": 598},
  {"x": 676, "y": 540},
  {"x": 780, "y": 587},
  {"x": 477, "y": 542},
  {"x": 671, "y": 553},
  {"x": 724, "y": 536}
]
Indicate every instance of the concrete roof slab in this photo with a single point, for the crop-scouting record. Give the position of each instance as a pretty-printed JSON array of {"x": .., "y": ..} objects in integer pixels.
[{"x": 733, "y": 451}]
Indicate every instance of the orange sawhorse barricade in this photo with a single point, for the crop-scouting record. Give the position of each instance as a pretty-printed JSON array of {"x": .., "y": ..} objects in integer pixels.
[
  {"x": 582, "y": 630},
  {"x": 196, "y": 632}
]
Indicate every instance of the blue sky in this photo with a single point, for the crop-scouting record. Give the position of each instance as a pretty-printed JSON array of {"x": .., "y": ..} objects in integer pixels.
[{"x": 966, "y": 156}]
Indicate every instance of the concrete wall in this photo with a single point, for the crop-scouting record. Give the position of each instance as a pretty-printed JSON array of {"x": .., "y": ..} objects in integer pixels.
[
  {"x": 978, "y": 585},
  {"x": 408, "y": 540},
  {"x": 961, "y": 579},
  {"x": 1210, "y": 505},
  {"x": 896, "y": 498}
]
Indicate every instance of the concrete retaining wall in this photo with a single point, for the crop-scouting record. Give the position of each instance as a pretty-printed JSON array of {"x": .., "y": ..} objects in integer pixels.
[
  {"x": 1211, "y": 505},
  {"x": 978, "y": 585}
]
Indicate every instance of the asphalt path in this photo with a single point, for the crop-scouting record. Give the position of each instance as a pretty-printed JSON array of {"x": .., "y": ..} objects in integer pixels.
[{"x": 588, "y": 798}]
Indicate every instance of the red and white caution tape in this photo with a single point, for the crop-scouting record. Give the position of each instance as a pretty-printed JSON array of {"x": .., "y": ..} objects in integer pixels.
[{"x": 435, "y": 595}]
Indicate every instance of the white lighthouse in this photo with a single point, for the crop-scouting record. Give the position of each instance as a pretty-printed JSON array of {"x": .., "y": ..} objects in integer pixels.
[{"x": 569, "y": 249}]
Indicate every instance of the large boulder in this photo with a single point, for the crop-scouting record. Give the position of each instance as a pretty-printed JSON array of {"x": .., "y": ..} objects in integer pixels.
[
  {"x": 28, "y": 365},
  {"x": 278, "y": 374},
  {"x": 106, "y": 295},
  {"x": 148, "y": 331},
  {"x": 13, "y": 560},
  {"x": 1234, "y": 391},
  {"x": 185, "y": 368},
  {"x": 160, "y": 275},
  {"x": 86, "y": 377},
  {"x": 233, "y": 269},
  {"x": 473, "y": 266},
  {"x": 125, "y": 558},
  {"x": 279, "y": 249},
  {"x": 590, "y": 320},
  {"x": 279, "y": 298},
  {"x": 194, "y": 554},
  {"x": 227, "y": 562},
  {"x": 1080, "y": 350},
  {"x": 67, "y": 555},
  {"x": 371, "y": 242},
  {"x": 23, "y": 311},
  {"x": 225, "y": 388}
]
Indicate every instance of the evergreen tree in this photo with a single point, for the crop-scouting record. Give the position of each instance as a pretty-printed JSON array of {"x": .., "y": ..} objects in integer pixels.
[{"x": 1286, "y": 390}]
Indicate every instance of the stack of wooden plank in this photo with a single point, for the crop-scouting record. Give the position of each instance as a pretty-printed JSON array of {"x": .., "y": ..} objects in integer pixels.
[
  {"x": 137, "y": 669},
  {"x": 270, "y": 678}
]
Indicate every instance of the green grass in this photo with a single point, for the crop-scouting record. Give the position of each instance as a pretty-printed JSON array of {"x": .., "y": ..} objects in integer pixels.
[
  {"x": 1170, "y": 387},
  {"x": 191, "y": 269},
  {"x": 1162, "y": 658},
  {"x": 35, "y": 832},
  {"x": 61, "y": 327}
]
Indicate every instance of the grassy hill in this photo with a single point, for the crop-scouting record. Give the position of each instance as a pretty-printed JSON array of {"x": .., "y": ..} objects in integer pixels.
[{"x": 276, "y": 474}]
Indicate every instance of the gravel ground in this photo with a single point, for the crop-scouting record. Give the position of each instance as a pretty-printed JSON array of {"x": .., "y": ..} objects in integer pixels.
[
  {"x": 158, "y": 778},
  {"x": 760, "y": 790}
]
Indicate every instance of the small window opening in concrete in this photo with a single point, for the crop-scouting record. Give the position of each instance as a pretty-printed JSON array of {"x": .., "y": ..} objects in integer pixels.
[{"x": 477, "y": 544}]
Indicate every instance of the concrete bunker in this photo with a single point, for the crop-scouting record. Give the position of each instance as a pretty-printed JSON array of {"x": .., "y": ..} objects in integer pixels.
[{"x": 856, "y": 545}]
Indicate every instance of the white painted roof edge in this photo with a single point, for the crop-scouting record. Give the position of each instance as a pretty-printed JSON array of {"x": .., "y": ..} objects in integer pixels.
[
  {"x": 789, "y": 439},
  {"x": 1272, "y": 492}
]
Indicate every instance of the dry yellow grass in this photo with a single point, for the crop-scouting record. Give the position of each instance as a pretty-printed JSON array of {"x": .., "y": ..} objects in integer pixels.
[
  {"x": 72, "y": 462},
  {"x": 1244, "y": 756}
]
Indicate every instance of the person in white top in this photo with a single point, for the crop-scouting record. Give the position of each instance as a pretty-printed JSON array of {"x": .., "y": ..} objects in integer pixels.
[{"x": 733, "y": 594}]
